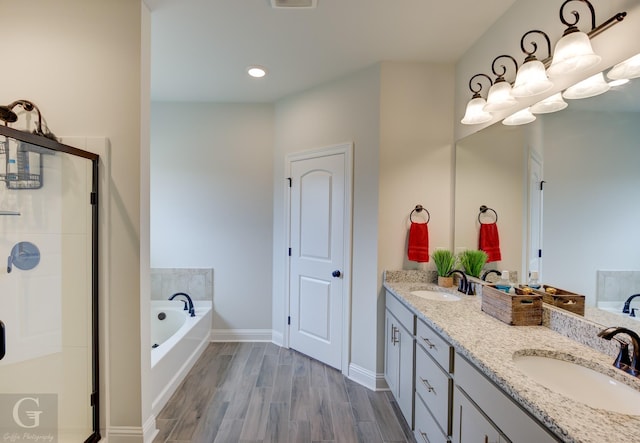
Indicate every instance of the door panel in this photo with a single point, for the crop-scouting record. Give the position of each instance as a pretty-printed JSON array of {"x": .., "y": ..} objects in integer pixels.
[
  {"x": 315, "y": 308},
  {"x": 317, "y": 251}
]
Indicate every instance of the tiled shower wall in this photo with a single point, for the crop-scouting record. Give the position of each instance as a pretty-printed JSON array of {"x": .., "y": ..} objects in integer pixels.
[
  {"x": 198, "y": 283},
  {"x": 617, "y": 285}
]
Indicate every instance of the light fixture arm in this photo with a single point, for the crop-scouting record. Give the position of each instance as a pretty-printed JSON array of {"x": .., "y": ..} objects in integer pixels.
[
  {"x": 476, "y": 93},
  {"x": 531, "y": 54},
  {"x": 572, "y": 25},
  {"x": 595, "y": 30},
  {"x": 500, "y": 77}
]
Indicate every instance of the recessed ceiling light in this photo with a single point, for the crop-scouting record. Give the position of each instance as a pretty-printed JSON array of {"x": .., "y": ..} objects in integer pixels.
[{"x": 256, "y": 71}]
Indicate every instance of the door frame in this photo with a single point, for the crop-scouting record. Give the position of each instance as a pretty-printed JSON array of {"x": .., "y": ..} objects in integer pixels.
[{"x": 347, "y": 150}]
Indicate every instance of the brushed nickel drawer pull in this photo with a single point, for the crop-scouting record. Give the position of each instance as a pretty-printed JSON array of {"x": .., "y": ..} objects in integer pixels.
[
  {"x": 424, "y": 436},
  {"x": 427, "y": 385},
  {"x": 428, "y": 342}
]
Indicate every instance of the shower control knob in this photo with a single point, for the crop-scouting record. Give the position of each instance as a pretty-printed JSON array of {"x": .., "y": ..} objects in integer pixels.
[{"x": 336, "y": 273}]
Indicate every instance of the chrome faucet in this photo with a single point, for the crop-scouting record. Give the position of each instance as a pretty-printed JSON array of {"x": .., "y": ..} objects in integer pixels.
[
  {"x": 188, "y": 304},
  {"x": 625, "y": 309},
  {"x": 463, "y": 284},
  {"x": 490, "y": 271},
  {"x": 621, "y": 361}
]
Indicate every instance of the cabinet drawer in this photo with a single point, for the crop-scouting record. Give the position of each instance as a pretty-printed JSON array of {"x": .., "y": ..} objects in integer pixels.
[
  {"x": 435, "y": 345},
  {"x": 426, "y": 429},
  {"x": 435, "y": 387},
  {"x": 514, "y": 422},
  {"x": 401, "y": 312}
]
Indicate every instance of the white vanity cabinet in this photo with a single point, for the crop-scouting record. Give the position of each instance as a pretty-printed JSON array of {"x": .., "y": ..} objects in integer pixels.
[
  {"x": 482, "y": 413},
  {"x": 471, "y": 425},
  {"x": 434, "y": 385},
  {"x": 399, "y": 354}
]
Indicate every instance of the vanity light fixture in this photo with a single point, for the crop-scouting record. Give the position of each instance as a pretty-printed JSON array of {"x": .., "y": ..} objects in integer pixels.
[
  {"x": 499, "y": 97},
  {"x": 521, "y": 117},
  {"x": 573, "y": 52},
  {"x": 475, "y": 113},
  {"x": 550, "y": 104},
  {"x": 256, "y": 71},
  {"x": 628, "y": 69},
  {"x": 532, "y": 77},
  {"x": 592, "y": 86}
]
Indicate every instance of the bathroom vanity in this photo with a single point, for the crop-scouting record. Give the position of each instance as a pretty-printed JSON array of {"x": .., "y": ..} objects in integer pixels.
[{"x": 452, "y": 370}]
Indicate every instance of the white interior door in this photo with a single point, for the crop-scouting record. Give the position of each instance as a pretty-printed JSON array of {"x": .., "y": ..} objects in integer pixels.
[{"x": 317, "y": 284}]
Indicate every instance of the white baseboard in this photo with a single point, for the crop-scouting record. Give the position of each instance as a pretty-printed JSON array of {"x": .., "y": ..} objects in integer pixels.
[
  {"x": 367, "y": 378},
  {"x": 124, "y": 434},
  {"x": 277, "y": 338},
  {"x": 149, "y": 429},
  {"x": 226, "y": 335}
]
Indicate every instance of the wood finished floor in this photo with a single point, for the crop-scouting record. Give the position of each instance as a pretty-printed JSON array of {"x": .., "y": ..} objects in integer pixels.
[{"x": 259, "y": 392}]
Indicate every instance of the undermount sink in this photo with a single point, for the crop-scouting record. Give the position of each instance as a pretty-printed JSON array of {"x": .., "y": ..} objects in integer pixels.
[
  {"x": 580, "y": 383},
  {"x": 435, "y": 295}
]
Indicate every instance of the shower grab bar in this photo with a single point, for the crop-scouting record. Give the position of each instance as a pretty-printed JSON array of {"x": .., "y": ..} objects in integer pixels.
[{"x": 9, "y": 212}]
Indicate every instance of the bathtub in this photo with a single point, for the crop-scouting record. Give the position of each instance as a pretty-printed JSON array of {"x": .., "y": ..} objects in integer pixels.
[{"x": 177, "y": 340}]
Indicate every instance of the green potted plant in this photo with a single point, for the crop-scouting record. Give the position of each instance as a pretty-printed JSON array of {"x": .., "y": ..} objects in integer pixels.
[
  {"x": 445, "y": 261},
  {"x": 472, "y": 262}
]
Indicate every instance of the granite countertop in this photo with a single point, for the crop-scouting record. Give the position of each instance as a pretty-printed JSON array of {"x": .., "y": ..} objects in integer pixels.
[{"x": 490, "y": 344}]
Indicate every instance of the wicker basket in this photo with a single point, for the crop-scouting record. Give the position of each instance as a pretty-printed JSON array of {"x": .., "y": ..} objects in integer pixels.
[
  {"x": 563, "y": 299},
  {"x": 517, "y": 309}
]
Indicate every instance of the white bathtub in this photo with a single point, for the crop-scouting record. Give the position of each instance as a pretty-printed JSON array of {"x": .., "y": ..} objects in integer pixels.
[{"x": 180, "y": 339}]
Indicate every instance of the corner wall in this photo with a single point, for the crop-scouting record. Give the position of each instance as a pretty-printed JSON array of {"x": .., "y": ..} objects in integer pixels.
[{"x": 416, "y": 165}]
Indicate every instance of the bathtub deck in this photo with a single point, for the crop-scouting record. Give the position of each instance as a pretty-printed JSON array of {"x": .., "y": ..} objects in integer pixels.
[{"x": 258, "y": 392}]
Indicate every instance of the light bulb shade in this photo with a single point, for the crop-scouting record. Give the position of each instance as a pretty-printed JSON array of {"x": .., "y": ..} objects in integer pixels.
[
  {"x": 627, "y": 69},
  {"x": 550, "y": 104},
  {"x": 519, "y": 118},
  {"x": 573, "y": 53},
  {"x": 531, "y": 80},
  {"x": 475, "y": 114},
  {"x": 499, "y": 97},
  {"x": 594, "y": 85}
]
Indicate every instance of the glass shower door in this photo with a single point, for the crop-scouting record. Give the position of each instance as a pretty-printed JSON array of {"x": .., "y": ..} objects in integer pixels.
[{"x": 48, "y": 309}]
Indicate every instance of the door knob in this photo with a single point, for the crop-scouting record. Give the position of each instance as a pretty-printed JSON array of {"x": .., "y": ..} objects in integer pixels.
[{"x": 336, "y": 273}]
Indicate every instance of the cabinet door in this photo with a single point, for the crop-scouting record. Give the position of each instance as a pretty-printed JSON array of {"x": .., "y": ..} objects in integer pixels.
[
  {"x": 470, "y": 425},
  {"x": 405, "y": 372},
  {"x": 391, "y": 353}
]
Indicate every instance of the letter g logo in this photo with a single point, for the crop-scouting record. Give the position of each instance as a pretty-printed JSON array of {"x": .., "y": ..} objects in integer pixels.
[{"x": 34, "y": 416}]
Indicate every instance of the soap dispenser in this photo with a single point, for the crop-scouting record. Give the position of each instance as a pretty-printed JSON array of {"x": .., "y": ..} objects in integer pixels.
[
  {"x": 533, "y": 280},
  {"x": 503, "y": 284}
]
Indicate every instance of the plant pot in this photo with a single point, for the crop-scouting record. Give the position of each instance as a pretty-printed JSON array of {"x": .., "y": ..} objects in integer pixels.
[{"x": 445, "y": 282}]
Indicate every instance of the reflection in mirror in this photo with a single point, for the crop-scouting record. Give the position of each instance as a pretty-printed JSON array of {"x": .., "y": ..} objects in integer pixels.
[
  {"x": 489, "y": 168},
  {"x": 590, "y": 157}
]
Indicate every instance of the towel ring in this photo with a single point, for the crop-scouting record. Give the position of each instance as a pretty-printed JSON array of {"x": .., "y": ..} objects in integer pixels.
[
  {"x": 483, "y": 210},
  {"x": 420, "y": 208}
]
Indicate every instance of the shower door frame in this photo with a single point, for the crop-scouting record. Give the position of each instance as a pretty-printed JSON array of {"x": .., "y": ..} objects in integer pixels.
[{"x": 38, "y": 140}]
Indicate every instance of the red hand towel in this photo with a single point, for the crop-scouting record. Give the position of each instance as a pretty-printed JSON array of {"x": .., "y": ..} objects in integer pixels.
[
  {"x": 489, "y": 241},
  {"x": 418, "y": 242}
]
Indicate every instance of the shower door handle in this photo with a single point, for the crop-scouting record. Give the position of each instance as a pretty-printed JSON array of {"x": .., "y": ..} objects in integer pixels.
[{"x": 3, "y": 341}]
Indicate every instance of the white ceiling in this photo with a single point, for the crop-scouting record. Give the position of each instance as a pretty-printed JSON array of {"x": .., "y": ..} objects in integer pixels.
[{"x": 201, "y": 48}]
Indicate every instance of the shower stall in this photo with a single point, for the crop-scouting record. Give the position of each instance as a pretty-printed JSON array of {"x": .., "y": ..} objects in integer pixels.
[{"x": 48, "y": 289}]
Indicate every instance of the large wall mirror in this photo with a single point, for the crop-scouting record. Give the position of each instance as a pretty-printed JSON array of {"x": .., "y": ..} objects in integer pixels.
[{"x": 585, "y": 221}]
